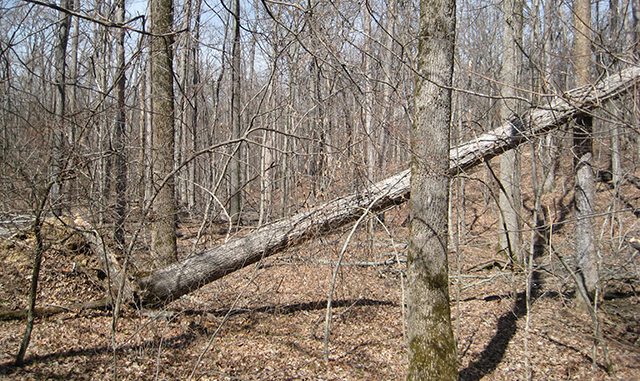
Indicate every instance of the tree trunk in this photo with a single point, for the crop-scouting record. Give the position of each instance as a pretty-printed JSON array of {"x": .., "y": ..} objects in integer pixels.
[
  {"x": 60, "y": 106},
  {"x": 317, "y": 125},
  {"x": 181, "y": 278},
  {"x": 636, "y": 27},
  {"x": 119, "y": 141},
  {"x": 584, "y": 193},
  {"x": 178, "y": 279},
  {"x": 432, "y": 347},
  {"x": 35, "y": 275},
  {"x": 510, "y": 173},
  {"x": 182, "y": 99},
  {"x": 163, "y": 240},
  {"x": 549, "y": 147},
  {"x": 235, "y": 202}
]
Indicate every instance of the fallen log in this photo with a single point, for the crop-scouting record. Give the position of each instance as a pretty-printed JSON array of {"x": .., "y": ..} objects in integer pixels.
[
  {"x": 180, "y": 278},
  {"x": 43, "y": 312},
  {"x": 541, "y": 119},
  {"x": 173, "y": 281},
  {"x": 116, "y": 278}
]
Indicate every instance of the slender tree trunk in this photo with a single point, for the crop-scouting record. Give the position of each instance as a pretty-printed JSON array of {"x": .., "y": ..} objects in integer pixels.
[
  {"x": 368, "y": 96},
  {"x": 368, "y": 112},
  {"x": 235, "y": 202},
  {"x": 183, "y": 101},
  {"x": 60, "y": 106},
  {"x": 192, "y": 144},
  {"x": 104, "y": 141},
  {"x": 73, "y": 76},
  {"x": 549, "y": 154},
  {"x": 35, "y": 274},
  {"x": 614, "y": 46},
  {"x": 287, "y": 166},
  {"x": 119, "y": 141},
  {"x": 266, "y": 157},
  {"x": 636, "y": 28},
  {"x": 317, "y": 126},
  {"x": 163, "y": 235},
  {"x": 147, "y": 131},
  {"x": 586, "y": 262},
  {"x": 510, "y": 173},
  {"x": 388, "y": 64},
  {"x": 432, "y": 348}
]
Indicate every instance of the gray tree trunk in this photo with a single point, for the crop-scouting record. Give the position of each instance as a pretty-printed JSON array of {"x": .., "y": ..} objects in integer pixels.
[
  {"x": 432, "y": 347},
  {"x": 636, "y": 28},
  {"x": 510, "y": 173},
  {"x": 119, "y": 141},
  {"x": 182, "y": 100},
  {"x": 549, "y": 146},
  {"x": 235, "y": 202},
  {"x": 60, "y": 105},
  {"x": 73, "y": 76},
  {"x": 317, "y": 125},
  {"x": 163, "y": 239},
  {"x": 586, "y": 263}
]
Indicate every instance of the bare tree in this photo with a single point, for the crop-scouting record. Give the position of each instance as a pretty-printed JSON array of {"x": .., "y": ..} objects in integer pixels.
[
  {"x": 586, "y": 261},
  {"x": 235, "y": 168},
  {"x": 510, "y": 173},
  {"x": 432, "y": 347},
  {"x": 164, "y": 206},
  {"x": 119, "y": 141},
  {"x": 60, "y": 106}
]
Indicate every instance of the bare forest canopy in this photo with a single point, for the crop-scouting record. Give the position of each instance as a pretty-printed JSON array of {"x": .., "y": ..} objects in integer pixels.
[{"x": 173, "y": 281}]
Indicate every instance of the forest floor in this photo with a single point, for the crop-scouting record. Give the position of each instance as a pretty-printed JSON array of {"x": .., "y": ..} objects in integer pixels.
[{"x": 267, "y": 321}]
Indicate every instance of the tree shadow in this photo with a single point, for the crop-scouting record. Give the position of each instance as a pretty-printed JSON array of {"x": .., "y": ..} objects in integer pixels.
[
  {"x": 292, "y": 308},
  {"x": 185, "y": 339},
  {"x": 176, "y": 342},
  {"x": 494, "y": 352}
]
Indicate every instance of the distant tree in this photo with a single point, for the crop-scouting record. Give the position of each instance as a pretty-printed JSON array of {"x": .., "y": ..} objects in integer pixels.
[
  {"x": 432, "y": 348},
  {"x": 60, "y": 65},
  {"x": 119, "y": 138},
  {"x": 235, "y": 169}
]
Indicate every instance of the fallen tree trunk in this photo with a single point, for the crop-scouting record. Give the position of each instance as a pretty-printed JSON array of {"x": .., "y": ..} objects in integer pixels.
[
  {"x": 541, "y": 119},
  {"x": 116, "y": 278},
  {"x": 180, "y": 278},
  {"x": 169, "y": 283}
]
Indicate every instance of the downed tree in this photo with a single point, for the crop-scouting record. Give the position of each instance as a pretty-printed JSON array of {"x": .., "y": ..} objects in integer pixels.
[
  {"x": 180, "y": 278},
  {"x": 173, "y": 281},
  {"x": 541, "y": 119}
]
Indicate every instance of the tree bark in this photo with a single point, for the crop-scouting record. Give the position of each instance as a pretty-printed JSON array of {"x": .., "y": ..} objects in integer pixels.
[
  {"x": 60, "y": 106},
  {"x": 584, "y": 192},
  {"x": 636, "y": 27},
  {"x": 235, "y": 201},
  {"x": 119, "y": 141},
  {"x": 510, "y": 173},
  {"x": 169, "y": 283},
  {"x": 163, "y": 240},
  {"x": 35, "y": 275},
  {"x": 432, "y": 347}
]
